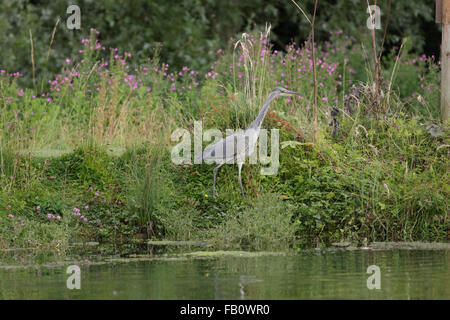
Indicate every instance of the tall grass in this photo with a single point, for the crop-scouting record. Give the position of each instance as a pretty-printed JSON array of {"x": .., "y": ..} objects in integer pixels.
[
  {"x": 381, "y": 178},
  {"x": 266, "y": 225}
]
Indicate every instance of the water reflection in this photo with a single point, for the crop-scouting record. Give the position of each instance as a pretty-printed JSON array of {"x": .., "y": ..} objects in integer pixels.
[
  {"x": 339, "y": 274},
  {"x": 223, "y": 287}
]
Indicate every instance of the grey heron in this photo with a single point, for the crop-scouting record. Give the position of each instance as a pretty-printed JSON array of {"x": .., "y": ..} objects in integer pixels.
[{"x": 235, "y": 147}]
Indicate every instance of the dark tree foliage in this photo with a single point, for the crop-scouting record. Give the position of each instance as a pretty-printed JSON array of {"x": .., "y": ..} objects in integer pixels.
[{"x": 190, "y": 31}]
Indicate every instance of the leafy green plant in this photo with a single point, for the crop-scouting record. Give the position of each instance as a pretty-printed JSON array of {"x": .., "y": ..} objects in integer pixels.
[{"x": 265, "y": 226}]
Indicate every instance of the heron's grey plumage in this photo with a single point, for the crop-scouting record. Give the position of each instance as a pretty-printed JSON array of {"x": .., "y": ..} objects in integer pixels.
[{"x": 235, "y": 147}]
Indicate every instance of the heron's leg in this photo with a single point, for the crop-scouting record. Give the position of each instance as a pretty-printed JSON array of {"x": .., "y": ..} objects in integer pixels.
[
  {"x": 214, "y": 182},
  {"x": 239, "y": 178}
]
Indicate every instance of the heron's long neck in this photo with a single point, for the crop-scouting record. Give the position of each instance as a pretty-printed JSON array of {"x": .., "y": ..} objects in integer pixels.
[{"x": 256, "y": 124}]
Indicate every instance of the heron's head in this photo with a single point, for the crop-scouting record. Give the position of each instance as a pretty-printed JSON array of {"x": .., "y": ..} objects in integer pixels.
[{"x": 280, "y": 91}]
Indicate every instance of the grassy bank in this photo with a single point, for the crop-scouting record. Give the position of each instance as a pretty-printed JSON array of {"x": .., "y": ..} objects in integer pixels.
[{"x": 88, "y": 155}]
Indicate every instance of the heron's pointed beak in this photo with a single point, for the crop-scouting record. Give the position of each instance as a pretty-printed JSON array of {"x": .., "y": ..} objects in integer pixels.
[{"x": 290, "y": 93}]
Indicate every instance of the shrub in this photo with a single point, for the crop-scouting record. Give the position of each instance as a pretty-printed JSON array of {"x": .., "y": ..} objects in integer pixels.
[{"x": 266, "y": 225}]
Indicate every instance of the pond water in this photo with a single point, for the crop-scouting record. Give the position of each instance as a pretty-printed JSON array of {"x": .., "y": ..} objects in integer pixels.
[{"x": 315, "y": 274}]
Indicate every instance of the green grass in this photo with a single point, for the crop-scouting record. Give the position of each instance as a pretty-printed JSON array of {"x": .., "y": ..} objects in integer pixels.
[{"x": 103, "y": 146}]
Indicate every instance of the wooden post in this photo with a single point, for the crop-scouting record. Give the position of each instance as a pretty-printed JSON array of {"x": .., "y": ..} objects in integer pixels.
[{"x": 445, "y": 59}]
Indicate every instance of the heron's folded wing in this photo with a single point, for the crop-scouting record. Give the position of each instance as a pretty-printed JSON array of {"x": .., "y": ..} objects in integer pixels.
[{"x": 222, "y": 150}]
